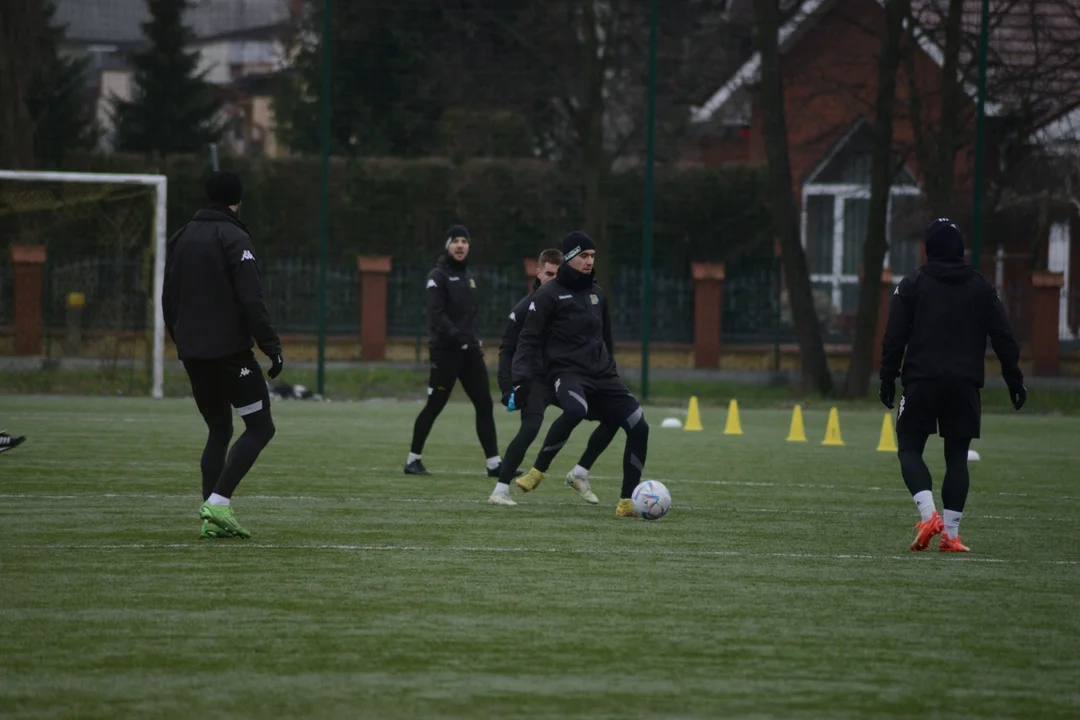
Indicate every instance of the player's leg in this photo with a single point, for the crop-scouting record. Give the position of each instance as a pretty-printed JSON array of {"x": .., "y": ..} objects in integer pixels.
[
  {"x": 251, "y": 398},
  {"x": 916, "y": 420},
  {"x": 578, "y": 477},
  {"x": 213, "y": 404},
  {"x": 474, "y": 381},
  {"x": 532, "y": 419},
  {"x": 570, "y": 392},
  {"x": 620, "y": 407},
  {"x": 441, "y": 379},
  {"x": 960, "y": 422}
]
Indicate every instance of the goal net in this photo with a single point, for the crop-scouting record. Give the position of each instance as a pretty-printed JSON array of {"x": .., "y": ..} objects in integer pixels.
[{"x": 82, "y": 260}]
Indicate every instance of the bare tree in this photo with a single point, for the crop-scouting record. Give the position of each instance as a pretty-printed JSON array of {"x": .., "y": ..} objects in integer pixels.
[
  {"x": 883, "y": 168},
  {"x": 22, "y": 24},
  {"x": 815, "y": 367}
]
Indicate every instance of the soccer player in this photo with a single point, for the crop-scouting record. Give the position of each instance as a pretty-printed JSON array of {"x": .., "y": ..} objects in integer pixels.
[
  {"x": 9, "y": 441},
  {"x": 455, "y": 351},
  {"x": 538, "y": 398},
  {"x": 214, "y": 308},
  {"x": 566, "y": 343},
  {"x": 941, "y": 314}
]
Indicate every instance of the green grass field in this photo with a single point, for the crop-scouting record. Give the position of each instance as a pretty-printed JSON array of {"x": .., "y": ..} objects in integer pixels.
[{"x": 779, "y": 585}]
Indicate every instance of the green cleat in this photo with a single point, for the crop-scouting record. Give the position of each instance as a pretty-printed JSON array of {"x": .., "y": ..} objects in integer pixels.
[
  {"x": 222, "y": 516},
  {"x": 210, "y": 531}
]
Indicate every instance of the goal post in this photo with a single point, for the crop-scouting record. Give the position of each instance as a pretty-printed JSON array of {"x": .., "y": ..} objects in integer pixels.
[{"x": 158, "y": 184}]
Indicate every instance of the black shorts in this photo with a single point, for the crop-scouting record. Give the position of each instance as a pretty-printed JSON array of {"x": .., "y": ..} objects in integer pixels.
[
  {"x": 236, "y": 381},
  {"x": 952, "y": 410},
  {"x": 605, "y": 399}
]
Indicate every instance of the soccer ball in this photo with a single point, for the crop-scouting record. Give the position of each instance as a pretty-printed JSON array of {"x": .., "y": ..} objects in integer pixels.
[{"x": 651, "y": 500}]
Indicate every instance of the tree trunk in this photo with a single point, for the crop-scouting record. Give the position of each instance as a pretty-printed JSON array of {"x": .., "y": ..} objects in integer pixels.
[
  {"x": 881, "y": 172},
  {"x": 942, "y": 174},
  {"x": 815, "y": 367},
  {"x": 597, "y": 166},
  {"x": 22, "y": 23}
]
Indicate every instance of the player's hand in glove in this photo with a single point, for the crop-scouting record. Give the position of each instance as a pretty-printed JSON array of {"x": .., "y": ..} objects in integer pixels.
[
  {"x": 1018, "y": 395},
  {"x": 505, "y": 398},
  {"x": 276, "y": 365},
  {"x": 519, "y": 394},
  {"x": 887, "y": 393}
]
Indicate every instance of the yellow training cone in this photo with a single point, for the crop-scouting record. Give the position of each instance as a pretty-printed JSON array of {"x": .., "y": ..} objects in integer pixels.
[
  {"x": 832, "y": 430},
  {"x": 693, "y": 416},
  {"x": 733, "y": 426},
  {"x": 797, "y": 432},
  {"x": 888, "y": 439}
]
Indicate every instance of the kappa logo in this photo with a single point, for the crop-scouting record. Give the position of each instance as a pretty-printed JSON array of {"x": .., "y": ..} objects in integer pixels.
[
  {"x": 900, "y": 410},
  {"x": 896, "y": 291},
  {"x": 247, "y": 256},
  {"x": 532, "y": 307},
  {"x": 558, "y": 382},
  {"x": 594, "y": 300},
  {"x": 431, "y": 283},
  {"x": 244, "y": 372},
  {"x": 513, "y": 316}
]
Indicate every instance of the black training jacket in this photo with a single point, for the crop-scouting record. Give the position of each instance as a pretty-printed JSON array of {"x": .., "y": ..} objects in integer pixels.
[
  {"x": 942, "y": 314},
  {"x": 510, "y": 341},
  {"x": 451, "y": 305},
  {"x": 212, "y": 298},
  {"x": 567, "y": 330}
]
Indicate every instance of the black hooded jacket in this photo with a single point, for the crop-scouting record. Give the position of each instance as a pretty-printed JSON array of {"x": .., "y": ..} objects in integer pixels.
[
  {"x": 942, "y": 314},
  {"x": 509, "y": 342},
  {"x": 212, "y": 298},
  {"x": 451, "y": 305},
  {"x": 567, "y": 329}
]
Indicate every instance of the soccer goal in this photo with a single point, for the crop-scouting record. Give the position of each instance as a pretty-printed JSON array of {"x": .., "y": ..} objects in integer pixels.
[{"x": 103, "y": 236}]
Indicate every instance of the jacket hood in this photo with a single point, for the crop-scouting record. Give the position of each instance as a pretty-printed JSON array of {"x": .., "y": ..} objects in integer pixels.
[
  {"x": 573, "y": 279},
  {"x": 951, "y": 272},
  {"x": 220, "y": 213}
]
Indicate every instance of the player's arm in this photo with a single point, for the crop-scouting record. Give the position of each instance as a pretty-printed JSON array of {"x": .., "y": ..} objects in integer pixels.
[
  {"x": 528, "y": 355},
  {"x": 438, "y": 298},
  {"x": 168, "y": 308},
  {"x": 1002, "y": 340},
  {"x": 897, "y": 329},
  {"x": 506, "y": 350},
  {"x": 248, "y": 292}
]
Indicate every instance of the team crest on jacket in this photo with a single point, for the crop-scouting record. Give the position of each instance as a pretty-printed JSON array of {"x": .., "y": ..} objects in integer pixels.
[
  {"x": 594, "y": 299},
  {"x": 472, "y": 283}
]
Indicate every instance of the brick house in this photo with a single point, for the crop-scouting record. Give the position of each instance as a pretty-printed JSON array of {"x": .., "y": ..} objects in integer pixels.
[{"x": 829, "y": 52}]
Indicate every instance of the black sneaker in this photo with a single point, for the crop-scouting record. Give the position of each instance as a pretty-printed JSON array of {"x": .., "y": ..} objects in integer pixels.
[
  {"x": 416, "y": 468},
  {"x": 7, "y": 442}
]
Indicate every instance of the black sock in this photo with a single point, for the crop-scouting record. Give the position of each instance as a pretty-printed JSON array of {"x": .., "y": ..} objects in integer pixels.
[
  {"x": 213, "y": 457},
  {"x": 515, "y": 451},
  {"x": 557, "y": 435},
  {"x": 598, "y": 442},
  {"x": 912, "y": 466},
  {"x": 637, "y": 447},
  {"x": 426, "y": 419},
  {"x": 954, "y": 490},
  {"x": 245, "y": 451}
]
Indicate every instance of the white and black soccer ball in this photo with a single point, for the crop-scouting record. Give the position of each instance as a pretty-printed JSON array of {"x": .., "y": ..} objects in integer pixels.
[{"x": 651, "y": 500}]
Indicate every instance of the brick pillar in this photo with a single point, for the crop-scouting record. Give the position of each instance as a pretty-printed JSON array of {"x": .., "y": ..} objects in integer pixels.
[
  {"x": 531, "y": 264},
  {"x": 374, "y": 270},
  {"x": 1045, "y": 308},
  {"x": 708, "y": 312},
  {"x": 29, "y": 261}
]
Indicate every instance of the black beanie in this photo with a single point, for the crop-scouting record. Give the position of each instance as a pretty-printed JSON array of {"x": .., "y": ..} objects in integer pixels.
[
  {"x": 224, "y": 188},
  {"x": 576, "y": 243},
  {"x": 456, "y": 231},
  {"x": 943, "y": 240}
]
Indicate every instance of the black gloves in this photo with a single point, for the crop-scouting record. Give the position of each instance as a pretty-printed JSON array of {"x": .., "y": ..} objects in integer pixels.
[
  {"x": 276, "y": 364},
  {"x": 505, "y": 399},
  {"x": 887, "y": 393},
  {"x": 1018, "y": 396},
  {"x": 519, "y": 395}
]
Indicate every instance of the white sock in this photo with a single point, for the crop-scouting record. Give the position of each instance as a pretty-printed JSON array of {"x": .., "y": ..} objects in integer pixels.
[
  {"x": 924, "y": 500},
  {"x": 216, "y": 499},
  {"x": 952, "y": 523},
  {"x": 494, "y": 462},
  {"x": 413, "y": 457},
  {"x": 501, "y": 487},
  {"x": 580, "y": 472}
]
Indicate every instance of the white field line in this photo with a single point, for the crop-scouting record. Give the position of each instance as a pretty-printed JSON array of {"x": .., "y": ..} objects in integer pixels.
[
  {"x": 535, "y": 550},
  {"x": 525, "y": 503}
]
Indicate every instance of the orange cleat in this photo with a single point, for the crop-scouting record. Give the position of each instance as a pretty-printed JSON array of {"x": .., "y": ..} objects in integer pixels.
[
  {"x": 926, "y": 530},
  {"x": 949, "y": 544}
]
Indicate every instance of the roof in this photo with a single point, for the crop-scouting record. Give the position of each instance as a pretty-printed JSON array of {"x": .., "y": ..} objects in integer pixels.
[
  {"x": 120, "y": 21},
  {"x": 1033, "y": 58}
]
